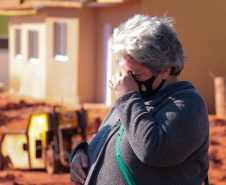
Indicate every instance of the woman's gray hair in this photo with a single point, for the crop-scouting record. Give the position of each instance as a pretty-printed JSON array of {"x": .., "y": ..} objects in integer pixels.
[{"x": 151, "y": 41}]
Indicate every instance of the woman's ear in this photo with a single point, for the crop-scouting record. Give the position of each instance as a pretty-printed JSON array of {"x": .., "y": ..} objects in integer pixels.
[{"x": 165, "y": 73}]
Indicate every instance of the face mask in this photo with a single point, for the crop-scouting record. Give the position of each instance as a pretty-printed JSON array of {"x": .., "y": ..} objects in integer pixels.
[{"x": 145, "y": 87}]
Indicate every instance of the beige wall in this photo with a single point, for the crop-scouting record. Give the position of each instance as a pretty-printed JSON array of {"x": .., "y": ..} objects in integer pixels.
[
  {"x": 201, "y": 27},
  {"x": 73, "y": 81},
  {"x": 87, "y": 55},
  {"x": 61, "y": 76},
  {"x": 27, "y": 78}
]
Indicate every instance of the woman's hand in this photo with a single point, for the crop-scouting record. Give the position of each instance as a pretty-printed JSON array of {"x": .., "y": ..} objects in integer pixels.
[
  {"x": 77, "y": 173},
  {"x": 122, "y": 82}
]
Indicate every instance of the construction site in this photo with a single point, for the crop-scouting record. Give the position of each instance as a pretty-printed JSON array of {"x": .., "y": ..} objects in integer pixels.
[{"x": 56, "y": 60}]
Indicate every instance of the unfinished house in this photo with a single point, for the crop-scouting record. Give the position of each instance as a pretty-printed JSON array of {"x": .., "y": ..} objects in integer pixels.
[{"x": 59, "y": 50}]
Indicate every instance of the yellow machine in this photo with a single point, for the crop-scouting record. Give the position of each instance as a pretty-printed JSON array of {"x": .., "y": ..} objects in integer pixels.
[{"x": 46, "y": 143}]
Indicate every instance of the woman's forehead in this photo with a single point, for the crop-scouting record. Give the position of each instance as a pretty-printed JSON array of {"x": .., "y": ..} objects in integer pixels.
[{"x": 131, "y": 65}]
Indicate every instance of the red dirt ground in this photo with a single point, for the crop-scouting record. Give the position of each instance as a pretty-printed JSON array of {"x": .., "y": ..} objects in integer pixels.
[{"x": 14, "y": 113}]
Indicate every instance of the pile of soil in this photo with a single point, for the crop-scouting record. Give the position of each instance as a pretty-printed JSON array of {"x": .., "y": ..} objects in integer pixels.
[
  {"x": 4, "y": 119},
  {"x": 15, "y": 111},
  {"x": 33, "y": 177},
  {"x": 7, "y": 177}
]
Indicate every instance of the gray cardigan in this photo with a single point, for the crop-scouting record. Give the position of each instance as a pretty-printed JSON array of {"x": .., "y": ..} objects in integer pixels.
[{"x": 165, "y": 141}]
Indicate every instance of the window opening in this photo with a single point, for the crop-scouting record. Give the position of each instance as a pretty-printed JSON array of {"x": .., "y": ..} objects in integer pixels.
[
  {"x": 33, "y": 47},
  {"x": 18, "y": 43},
  {"x": 60, "y": 30}
]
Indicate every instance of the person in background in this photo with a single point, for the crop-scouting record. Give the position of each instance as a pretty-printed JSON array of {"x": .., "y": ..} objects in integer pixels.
[{"x": 162, "y": 122}]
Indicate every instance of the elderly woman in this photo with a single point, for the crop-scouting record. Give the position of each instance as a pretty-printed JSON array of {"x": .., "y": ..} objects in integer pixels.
[{"x": 157, "y": 132}]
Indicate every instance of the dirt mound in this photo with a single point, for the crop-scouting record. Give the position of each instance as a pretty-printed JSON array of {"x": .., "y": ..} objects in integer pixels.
[
  {"x": 7, "y": 177},
  {"x": 4, "y": 119},
  {"x": 20, "y": 105},
  {"x": 14, "y": 110}
]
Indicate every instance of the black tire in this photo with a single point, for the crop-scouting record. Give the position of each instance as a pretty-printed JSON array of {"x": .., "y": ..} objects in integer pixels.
[{"x": 52, "y": 165}]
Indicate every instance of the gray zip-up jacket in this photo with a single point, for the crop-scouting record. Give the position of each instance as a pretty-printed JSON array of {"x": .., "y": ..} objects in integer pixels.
[{"x": 165, "y": 141}]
